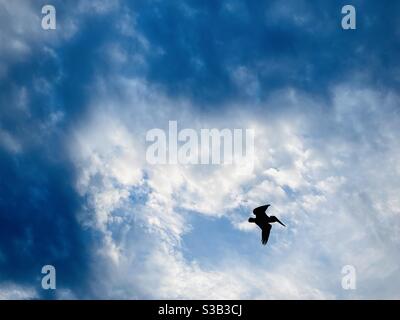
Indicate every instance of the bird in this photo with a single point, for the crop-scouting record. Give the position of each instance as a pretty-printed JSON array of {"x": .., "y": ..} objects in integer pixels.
[{"x": 263, "y": 221}]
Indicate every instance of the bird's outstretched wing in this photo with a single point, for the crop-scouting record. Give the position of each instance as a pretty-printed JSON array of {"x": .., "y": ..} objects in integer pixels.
[
  {"x": 261, "y": 210},
  {"x": 265, "y": 234}
]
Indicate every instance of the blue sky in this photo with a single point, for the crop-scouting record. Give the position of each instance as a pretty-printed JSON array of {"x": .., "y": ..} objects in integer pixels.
[{"x": 76, "y": 190}]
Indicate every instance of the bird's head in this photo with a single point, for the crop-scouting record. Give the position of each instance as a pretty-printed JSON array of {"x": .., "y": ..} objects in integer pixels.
[{"x": 275, "y": 219}]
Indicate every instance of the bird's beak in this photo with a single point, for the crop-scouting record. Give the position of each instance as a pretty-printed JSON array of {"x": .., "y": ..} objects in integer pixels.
[{"x": 280, "y": 222}]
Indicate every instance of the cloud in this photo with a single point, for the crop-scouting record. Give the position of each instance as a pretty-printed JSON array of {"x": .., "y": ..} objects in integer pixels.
[
  {"x": 77, "y": 104},
  {"x": 274, "y": 45},
  {"x": 38, "y": 203},
  {"x": 13, "y": 292},
  {"x": 311, "y": 180}
]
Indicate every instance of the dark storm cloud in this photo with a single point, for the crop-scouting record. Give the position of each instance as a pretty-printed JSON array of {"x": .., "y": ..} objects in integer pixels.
[
  {"x": 41, "y": 97},
  {"x": 38, "y": 223},
  {"x": 38, "y": 204}
]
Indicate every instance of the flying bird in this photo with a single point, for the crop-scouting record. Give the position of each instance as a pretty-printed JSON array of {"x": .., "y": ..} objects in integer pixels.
[{"x": 263, "y": 221}]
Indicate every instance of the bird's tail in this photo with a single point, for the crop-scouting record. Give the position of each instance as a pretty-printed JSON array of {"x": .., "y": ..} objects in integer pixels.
[{"x": 252, "y": 220}]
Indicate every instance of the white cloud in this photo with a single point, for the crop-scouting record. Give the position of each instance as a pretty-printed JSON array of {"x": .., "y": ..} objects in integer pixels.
[
  {"x": 21, "y": 34},
  {"x": 307, "y": 166},
  {"x": 15, "y": 292},
  {"x": 331, "y": 173}
]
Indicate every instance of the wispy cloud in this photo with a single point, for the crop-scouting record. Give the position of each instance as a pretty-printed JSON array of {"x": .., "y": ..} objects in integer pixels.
[{"x": 72, "y": 151}]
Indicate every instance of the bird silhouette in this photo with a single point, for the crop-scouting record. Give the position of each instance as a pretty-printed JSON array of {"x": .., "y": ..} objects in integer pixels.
[{"x": 263, "y": 221}]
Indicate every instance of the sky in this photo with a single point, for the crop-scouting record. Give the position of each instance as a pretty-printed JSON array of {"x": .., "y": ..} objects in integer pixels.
[{"x": 76, "y": 191}]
